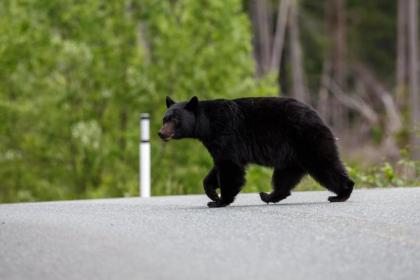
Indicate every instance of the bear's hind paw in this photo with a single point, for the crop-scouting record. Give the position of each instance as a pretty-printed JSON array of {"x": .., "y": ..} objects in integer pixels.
[
  {"x": 272, "y": 197},
  {"x": 265, "y": 197}
]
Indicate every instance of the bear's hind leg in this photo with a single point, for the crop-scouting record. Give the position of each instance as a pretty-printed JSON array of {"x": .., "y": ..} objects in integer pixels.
[
  {"x": 231, "y": 179},
  {"x": 283, "y": 181},
  {"x": 335, "y": 178}
]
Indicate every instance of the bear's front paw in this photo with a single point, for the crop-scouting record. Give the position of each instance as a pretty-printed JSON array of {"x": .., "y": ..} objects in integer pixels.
[{"x": 216, "y": 204}]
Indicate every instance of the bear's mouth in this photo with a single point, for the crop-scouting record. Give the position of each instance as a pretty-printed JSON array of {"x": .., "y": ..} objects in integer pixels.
[{"x": 167, "y": 138}]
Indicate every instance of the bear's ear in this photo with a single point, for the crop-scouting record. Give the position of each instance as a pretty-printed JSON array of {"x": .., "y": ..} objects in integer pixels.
[
  {"x": 169, "y": 102},
  {"x": 192, "y": 104}
]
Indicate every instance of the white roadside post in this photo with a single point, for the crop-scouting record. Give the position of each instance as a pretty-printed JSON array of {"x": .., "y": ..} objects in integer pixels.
[{"x": 144, "y": 156}]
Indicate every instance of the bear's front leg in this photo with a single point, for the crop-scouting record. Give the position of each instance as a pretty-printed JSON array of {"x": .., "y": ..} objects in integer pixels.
[
  {"x": 232, "y": 178},
  {"x": 211, "y": 183}
]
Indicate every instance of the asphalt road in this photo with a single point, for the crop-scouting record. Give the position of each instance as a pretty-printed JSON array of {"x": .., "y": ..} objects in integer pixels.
[{"x": 375, "y": 235}]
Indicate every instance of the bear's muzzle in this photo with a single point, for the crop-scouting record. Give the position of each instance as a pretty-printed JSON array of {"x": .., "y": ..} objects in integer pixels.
[{"x": 167, "y": 131}]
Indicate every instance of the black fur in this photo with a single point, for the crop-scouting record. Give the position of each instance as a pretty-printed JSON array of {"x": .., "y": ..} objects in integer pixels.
[{"x": 282, "y": 133}]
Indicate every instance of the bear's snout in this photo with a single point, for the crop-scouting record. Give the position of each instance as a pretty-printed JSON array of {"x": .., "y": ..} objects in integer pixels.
[{"x": 167, "y": 131}]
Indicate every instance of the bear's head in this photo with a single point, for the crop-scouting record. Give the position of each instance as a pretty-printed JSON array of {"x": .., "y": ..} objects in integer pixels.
[{"x": 179, "y": 119}]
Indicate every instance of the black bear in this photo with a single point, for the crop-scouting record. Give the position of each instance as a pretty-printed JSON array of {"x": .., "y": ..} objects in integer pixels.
[{"x": 277, "y": 132}]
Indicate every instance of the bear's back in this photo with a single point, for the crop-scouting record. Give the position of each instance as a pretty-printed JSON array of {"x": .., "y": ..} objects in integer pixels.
[{"x": 265, "y": 114}]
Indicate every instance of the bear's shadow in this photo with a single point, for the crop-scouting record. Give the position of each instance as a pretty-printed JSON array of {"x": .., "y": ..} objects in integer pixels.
[{"x": 293, "y": 204}]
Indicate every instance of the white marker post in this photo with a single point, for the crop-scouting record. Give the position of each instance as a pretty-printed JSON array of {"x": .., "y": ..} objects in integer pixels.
[{"x": 144, "y": 156}]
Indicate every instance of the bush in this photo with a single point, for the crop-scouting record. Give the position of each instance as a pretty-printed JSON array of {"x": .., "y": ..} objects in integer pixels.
[{"x": 75, "y": 76}]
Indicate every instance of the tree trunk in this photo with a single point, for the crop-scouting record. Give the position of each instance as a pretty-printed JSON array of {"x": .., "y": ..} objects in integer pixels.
[
  {"x": 335, "y": 21},
  {"x": 298, "y": 84},
  {"x": 413, "y": 76},
  {"x": 262, "y": 35},
  {"x": 279, "y": 36},
  {"x": 339, "y": 51},
  {"x": 401, "y": 63},
  {"x": 324, "y": 97}
]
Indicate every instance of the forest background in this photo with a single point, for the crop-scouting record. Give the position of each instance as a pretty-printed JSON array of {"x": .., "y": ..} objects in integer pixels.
[{"x": 75, "y": 76}]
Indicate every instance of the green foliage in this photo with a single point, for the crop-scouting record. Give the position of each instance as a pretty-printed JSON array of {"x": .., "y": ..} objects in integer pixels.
[
  {"x": 68, "y": 75},
  {"x": 405, "y": 172},
  {"x": 75, "y": 76}
]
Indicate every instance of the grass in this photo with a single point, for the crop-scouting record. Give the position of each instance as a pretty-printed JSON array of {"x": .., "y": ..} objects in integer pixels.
[{"x": 405, "y": 173}]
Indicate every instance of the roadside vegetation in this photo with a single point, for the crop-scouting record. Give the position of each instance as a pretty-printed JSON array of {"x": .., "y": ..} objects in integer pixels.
[{"x": 76, "y": 75}]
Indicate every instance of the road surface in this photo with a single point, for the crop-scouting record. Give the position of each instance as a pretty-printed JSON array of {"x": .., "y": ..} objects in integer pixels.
[{"x": 375, "y": 235}]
